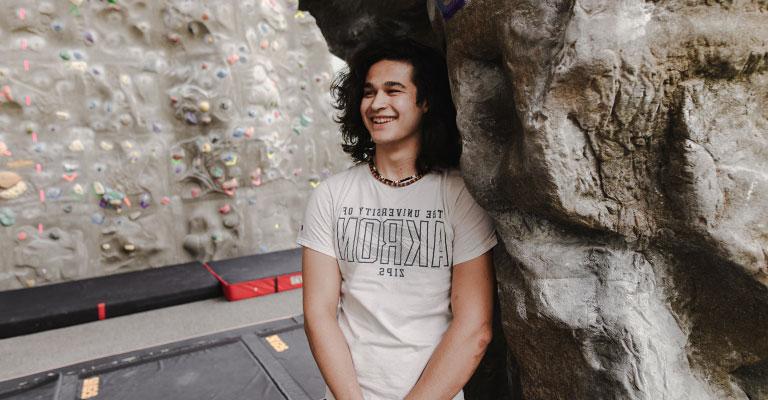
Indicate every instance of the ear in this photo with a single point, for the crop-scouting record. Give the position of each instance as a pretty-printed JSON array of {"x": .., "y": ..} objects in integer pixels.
[{"x": 424, "y": 106}]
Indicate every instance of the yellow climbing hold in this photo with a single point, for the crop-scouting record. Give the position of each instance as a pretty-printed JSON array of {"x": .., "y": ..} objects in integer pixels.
[{"x": 98, "y": 188}]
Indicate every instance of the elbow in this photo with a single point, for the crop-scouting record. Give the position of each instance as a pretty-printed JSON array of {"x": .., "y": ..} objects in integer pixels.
[
  {"x": 484, "y": 336},
  {"x": 481, "y": 338}
]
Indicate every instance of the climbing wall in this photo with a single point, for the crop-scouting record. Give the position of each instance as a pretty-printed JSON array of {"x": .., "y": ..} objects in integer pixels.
[{"x": 137, "y": 134}]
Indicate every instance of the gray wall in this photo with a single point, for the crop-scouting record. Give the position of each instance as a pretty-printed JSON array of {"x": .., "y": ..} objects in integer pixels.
[{"x": 156, "y": 132}]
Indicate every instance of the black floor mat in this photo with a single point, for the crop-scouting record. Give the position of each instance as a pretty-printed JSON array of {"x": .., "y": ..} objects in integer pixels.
[
  {"x": 269, "y": 361},
  {"x": 25, "y": 311}
]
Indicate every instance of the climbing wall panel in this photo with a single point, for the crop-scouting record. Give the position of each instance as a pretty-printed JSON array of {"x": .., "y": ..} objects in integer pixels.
[{"x": 137, "y": 134}]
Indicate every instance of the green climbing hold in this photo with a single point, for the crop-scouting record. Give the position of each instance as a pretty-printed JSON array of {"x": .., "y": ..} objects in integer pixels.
[
  {"x": 217, "y": 172},
  {"x": 7, "y": 217}
]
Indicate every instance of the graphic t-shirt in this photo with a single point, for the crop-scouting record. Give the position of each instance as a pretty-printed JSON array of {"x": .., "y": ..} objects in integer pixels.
[{"x": 395, "y": 248}]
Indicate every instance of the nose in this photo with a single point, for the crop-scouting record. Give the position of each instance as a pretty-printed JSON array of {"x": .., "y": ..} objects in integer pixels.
[{"x": 379, "y": 101}]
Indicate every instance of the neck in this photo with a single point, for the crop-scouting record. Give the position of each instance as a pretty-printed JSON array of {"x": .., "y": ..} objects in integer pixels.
[{"x": 396, "y": 163}]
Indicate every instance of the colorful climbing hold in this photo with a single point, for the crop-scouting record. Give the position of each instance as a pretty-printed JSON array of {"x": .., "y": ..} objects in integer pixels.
[
  {"x": 145, "y": 200},
  {"x": 9, "y": 179},
  {"x": 97, "y": 218},
  {"x": 230, "y": 184},
  {"x": 76, "y": 146},
  {"x": 217, "y": 172},
  {"x": 7, "y": 217},
  {"x": 256, "y": 177},
  {"x": 230, "y": 159},
  {"x": 190, "y": 118},
  {"x": 225, "y": 209},
  {"x": 53, "y": 193},
  {"x": 13, "y": 191}
]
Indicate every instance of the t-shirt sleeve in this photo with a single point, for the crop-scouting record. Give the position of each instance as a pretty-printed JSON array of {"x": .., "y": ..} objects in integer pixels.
[
  {"x": 473, "y": 229},
  {"x": 316, "y": 231}
]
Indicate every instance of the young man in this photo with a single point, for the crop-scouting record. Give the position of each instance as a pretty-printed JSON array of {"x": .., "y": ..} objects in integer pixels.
[{"x": 398, "y": 276}]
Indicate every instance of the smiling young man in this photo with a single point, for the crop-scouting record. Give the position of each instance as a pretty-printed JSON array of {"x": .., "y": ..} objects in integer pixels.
[{"x": 398, "y": 276}]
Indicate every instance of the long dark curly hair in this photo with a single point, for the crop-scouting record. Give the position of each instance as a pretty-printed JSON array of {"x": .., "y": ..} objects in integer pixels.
[{"x": 440, "y": 140}]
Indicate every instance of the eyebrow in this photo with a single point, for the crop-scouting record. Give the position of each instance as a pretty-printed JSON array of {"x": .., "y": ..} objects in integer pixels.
[{"x": 388, "y": 84}]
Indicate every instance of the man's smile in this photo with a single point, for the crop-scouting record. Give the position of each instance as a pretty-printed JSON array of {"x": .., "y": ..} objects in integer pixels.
[{"x": 382, "y": 120}]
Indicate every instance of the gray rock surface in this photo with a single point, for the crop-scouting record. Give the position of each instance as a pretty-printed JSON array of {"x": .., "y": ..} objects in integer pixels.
[{"x": 622, "y": 149}]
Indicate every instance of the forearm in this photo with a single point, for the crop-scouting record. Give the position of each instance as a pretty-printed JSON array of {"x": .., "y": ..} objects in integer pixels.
[
  {"x": 332, "y": 356},
  {"x": 452, "y": 363}
]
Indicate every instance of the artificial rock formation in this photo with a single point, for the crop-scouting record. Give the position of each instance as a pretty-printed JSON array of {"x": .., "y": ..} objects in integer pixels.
[{"x": 621, "y": 148}]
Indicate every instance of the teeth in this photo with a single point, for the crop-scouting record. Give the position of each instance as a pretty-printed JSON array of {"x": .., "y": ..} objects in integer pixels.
[{"x": 382, "y": 120}]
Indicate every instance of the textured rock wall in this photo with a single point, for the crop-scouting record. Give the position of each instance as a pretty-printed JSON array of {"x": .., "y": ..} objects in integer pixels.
[
  {"x": 621, "y": 148},
  {"x": 136, "y": 134}
]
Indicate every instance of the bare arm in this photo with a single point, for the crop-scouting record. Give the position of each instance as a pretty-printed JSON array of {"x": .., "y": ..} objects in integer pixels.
[
  {"x": 462, "y": 347},
  {"x": 321, "y": 288}
]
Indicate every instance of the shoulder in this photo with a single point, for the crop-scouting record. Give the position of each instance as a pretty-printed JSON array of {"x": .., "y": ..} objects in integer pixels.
[
  {"x": 452, "y": 181},
  {"x": 345, "y": 177}
]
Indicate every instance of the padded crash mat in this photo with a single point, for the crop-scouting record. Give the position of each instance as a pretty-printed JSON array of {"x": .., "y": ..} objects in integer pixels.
[
  {"x": 269, "y": 361},
  {"x": 25, "y": 311}
]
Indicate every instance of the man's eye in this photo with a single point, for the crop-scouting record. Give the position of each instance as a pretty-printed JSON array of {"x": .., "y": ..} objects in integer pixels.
[
  {"x": 394, "y": 91},
  {"x": 367, "y": 94}
]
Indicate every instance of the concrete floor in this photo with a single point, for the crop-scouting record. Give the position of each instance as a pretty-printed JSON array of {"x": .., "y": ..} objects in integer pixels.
[{"x": 30, "y": 354}]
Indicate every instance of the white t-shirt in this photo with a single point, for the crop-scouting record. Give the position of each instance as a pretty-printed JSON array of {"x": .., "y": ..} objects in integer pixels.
[{"x": 395, "y": 248}]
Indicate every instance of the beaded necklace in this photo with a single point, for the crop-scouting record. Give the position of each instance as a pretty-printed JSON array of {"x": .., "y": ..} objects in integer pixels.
[{"x": 399, "y": 183}]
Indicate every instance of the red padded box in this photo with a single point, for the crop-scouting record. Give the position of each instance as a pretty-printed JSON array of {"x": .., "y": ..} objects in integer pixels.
[
  {"x": 246, "y": 289},
  {"x": 289, "y": 281}
]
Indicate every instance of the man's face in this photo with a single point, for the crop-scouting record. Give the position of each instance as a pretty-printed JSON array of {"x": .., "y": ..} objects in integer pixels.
[{"x": 388, "y": 108}]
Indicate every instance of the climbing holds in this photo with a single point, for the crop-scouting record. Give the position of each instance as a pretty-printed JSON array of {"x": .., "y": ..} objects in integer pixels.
[
  {"x": 98, "y": 188},
  {"x": 76, "y": 146},
  {"x": 12, "y": 186},
  {"x": 7, "y": 217},
  {"x": 97, "y": 218},
  {"x": 230, "y": 159},
  {"x": 145, "y": 200},
  {"x": 8, "y": 179},
  {"x": 217, "y": 172}
]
